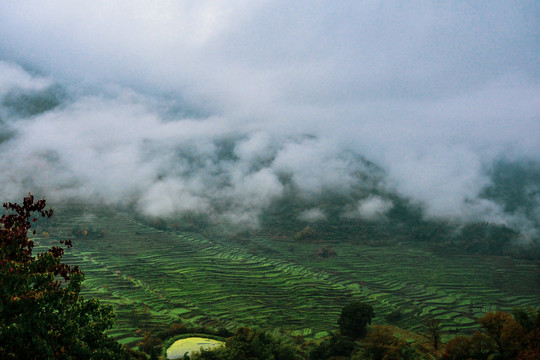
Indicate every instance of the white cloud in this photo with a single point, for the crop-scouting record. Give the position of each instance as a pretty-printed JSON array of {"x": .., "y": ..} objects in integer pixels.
[
  {"x": 374, "y": 207},
  {"x": 171, "y": 197},
  {"x": 315, "y": 165},
  {"x": 312, "y": 215},
  {"x": 14, "y": 77},
  {"x": 433, "y": 93}
]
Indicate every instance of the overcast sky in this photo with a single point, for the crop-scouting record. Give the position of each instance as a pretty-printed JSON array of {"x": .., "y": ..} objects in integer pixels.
[{"x": 433, "y": 92}]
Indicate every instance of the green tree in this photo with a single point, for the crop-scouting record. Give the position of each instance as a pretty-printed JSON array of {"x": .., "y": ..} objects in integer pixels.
[
  {"x": 42, "y": 315},
  {"x": 354, "y": 319},
  {"x": 528, "y": 318}
]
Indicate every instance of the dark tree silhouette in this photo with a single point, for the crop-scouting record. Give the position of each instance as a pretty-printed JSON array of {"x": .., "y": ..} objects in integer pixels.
[
  {"x": 354, "y": 319},
  {"x": 433, "y": 330}
]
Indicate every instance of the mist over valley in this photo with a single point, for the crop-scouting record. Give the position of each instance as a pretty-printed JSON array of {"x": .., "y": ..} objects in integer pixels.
[{"x": 234, "y": 163}]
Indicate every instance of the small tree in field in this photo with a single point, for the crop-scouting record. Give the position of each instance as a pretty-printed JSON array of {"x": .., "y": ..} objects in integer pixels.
[
  {"x": 42, "y": 315},
  {"x": 433, "y": 330},
  {"x": 354, "y": 319}
]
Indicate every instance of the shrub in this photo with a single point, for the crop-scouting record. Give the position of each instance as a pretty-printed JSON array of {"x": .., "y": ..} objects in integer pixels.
[
  {"x": 458, "y": 348},
  {"x": 381, "y": 344},
  {"x": 306, "y": 234},
  {"x": 252, "y": 344},
  {"x": 336, "y": 346},
  {"x": 149, "y": 342}
]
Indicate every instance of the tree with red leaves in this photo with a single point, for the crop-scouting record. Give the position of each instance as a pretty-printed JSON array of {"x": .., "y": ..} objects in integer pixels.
[{"x": 42, "y": 315}]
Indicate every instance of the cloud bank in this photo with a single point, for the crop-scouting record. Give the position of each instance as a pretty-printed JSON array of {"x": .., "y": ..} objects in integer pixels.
[{"x": 219, "y": 107}]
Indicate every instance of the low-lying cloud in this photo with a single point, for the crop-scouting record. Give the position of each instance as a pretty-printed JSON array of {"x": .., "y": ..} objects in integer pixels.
[
  {"x": 374, "y": 207},
  {"x": 221, "y": 107}
]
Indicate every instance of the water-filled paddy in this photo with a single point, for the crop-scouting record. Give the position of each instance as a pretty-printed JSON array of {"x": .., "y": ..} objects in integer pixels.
[{"x": 191, "y": 345}]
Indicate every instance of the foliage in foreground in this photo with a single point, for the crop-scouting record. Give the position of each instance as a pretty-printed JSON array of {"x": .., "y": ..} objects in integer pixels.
[
  {"x": 42, "y": 314},
  {"x": 503, "y": 337},
  {"x": 251, "y": 344}
]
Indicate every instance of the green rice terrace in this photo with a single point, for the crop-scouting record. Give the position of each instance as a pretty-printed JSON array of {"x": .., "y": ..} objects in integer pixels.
[{"x": 157, "y": 277}]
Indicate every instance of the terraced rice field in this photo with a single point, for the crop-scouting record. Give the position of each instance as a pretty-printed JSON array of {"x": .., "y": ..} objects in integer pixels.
[{"x": 155, "y": 277}]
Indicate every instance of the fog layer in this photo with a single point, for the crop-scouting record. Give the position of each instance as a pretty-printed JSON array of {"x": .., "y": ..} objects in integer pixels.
[{"x": 220, "y": 107}]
